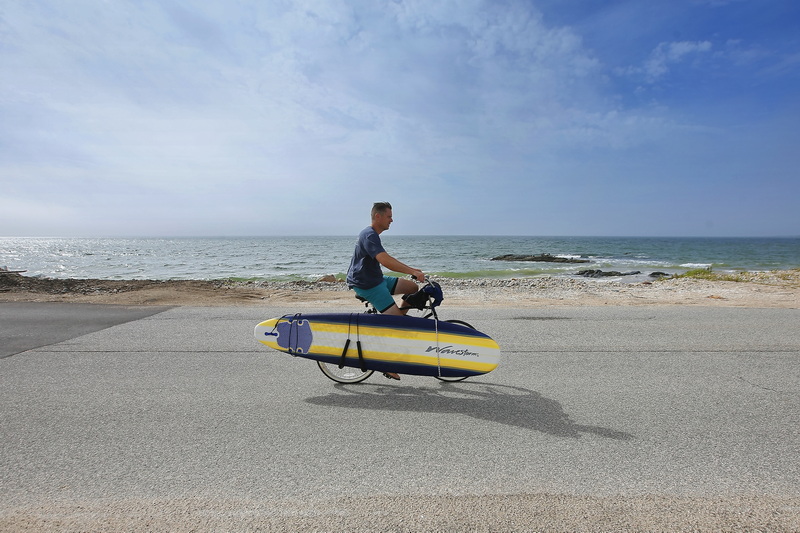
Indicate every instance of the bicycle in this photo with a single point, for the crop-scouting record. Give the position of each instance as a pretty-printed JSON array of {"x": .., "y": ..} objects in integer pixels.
[{"x": 426, "y": 300}]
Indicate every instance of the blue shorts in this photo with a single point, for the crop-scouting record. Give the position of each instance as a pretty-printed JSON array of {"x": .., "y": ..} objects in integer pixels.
[{"x": 381, "y": 294}]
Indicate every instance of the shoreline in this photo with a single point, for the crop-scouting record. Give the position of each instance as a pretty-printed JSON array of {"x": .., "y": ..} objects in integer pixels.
[{"x": 775, "y": 289}]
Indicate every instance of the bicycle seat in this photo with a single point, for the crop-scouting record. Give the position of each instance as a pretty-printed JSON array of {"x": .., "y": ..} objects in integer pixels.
[{"x": 369, "y": 306}]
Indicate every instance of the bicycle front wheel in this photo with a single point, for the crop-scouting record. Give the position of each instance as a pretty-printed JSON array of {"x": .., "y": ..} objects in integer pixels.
[
  {"x": 456, "y": 378},
  {"x": 345, "y": 374}
]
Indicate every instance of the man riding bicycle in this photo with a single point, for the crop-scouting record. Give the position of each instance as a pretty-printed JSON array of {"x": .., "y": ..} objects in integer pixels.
[{"x": 365, "y": 276}]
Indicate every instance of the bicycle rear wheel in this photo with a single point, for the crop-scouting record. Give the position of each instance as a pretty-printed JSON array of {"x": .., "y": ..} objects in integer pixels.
[
  {"x": 345, "y": 374},
  {"x": 456, "y": 378}
]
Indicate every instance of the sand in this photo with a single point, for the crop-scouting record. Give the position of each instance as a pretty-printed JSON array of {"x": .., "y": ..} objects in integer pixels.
[{"x": 777, "y": 289}]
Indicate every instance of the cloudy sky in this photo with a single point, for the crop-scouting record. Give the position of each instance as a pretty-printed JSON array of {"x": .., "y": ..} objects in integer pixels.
[{"x": 499, "y": 117}]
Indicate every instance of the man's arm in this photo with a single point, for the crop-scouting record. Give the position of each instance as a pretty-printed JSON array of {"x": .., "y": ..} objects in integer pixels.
[{"x": 396, "y": 266}]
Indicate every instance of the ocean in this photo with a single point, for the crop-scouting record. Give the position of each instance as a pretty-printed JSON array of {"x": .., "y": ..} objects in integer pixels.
[{"x": 310, "y": 258}]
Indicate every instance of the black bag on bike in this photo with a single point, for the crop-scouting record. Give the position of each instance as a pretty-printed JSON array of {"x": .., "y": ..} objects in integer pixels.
[
  {"x": 434, "y": 290},
  {"x": 418, "y": 300}
]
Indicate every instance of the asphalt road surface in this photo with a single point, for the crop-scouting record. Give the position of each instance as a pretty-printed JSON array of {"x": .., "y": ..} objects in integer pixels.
[{"x": 618, "y": 418}]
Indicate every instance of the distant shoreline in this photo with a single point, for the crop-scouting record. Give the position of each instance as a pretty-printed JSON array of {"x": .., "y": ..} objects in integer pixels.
[{"x": 779, "y": 289}]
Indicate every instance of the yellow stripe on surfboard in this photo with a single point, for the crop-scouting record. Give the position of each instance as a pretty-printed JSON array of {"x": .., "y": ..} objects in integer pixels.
[
  {"x": 405, "y": 334},
  {"x": 400, "y": 357}
]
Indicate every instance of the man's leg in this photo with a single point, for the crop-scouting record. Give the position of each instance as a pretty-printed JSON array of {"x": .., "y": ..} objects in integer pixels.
[
  {"x": 394, "y": 310},
  {"x": 404, "y": 286}
]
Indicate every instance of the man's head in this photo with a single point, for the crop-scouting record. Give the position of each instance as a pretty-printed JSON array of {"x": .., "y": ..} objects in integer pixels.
[{"x": 381, "y": 216}]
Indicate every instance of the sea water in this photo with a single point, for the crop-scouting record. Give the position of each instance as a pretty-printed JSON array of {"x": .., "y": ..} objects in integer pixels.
[{"x": 309, "y": 258}]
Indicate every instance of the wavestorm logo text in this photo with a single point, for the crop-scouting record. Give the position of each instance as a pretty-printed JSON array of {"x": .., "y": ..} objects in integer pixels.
[{"x": 448, "y": 350}]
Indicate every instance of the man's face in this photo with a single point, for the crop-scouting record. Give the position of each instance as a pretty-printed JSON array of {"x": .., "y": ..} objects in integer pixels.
[{"x": 383, "y": 220}]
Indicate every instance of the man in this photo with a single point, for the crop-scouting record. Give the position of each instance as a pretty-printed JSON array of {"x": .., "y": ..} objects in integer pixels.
[{"x": 365, "y": 276}]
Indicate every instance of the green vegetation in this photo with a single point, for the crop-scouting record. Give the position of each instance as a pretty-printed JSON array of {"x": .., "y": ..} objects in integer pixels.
[
  {"x": 707, "y": 274},
  {"x": 773, "y": 277}
]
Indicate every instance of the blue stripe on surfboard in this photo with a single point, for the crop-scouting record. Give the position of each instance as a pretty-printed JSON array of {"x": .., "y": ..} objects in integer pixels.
[
  {"x": 400, "y": 368},
  {"x": 407, "y": 323}
]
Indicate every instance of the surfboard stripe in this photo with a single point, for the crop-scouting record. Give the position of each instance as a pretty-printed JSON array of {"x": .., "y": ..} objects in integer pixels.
[
  {"x": 443, "y": 337},
  {"x": 402, "y": 368},
  {"x": 395, "y": 357},
  {"x": 396, "y": 323},
  {"x": 334, "y": 340}
]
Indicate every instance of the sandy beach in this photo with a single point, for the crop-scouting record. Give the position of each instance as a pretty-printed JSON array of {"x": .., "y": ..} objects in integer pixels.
[{"x": 776, "y": 289}]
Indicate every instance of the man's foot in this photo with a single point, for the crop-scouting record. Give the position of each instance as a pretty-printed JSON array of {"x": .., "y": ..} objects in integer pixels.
[{"x": 391, "y": 375}]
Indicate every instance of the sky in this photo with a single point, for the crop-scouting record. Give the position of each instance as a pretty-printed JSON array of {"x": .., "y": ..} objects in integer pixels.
[{"x": 496, "y": 117}]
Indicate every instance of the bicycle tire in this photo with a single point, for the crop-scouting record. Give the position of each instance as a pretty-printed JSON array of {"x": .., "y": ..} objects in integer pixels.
[
  {"x": 346, "y": 375},
  {"x": 457, "y": 378}
]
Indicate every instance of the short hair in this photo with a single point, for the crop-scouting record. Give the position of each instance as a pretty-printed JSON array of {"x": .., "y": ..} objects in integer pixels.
[{"x": 380, "y": 207}]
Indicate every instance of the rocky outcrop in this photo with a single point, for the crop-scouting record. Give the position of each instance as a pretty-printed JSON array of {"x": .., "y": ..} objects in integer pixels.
[
  {"x": 543, "y": 258},
  {"x": 602, "y": 274}
]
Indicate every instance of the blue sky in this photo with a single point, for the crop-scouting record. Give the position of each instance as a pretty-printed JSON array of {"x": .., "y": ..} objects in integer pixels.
[{"x": 499, "y": 117}]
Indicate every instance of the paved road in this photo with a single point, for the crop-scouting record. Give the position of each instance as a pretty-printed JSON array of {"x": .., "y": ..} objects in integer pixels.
[
  {"x": 24, "y": 326},
  {"x": 624, "y": 417}
]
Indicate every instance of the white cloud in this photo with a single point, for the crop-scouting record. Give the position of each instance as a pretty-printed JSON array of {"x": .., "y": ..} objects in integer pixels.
[
  {"x": 248, "y": 113},
  {"x": 667, "y": 54}
]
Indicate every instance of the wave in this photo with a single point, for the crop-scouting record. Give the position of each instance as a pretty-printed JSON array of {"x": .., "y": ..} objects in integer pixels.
[{"x": 508, "y": 273}]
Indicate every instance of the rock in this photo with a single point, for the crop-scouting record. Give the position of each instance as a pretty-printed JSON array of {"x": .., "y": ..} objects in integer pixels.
[
  {"x": 544, "y": 258},
  {"x": 330, "y": 278},
  {"x": 600, "y": 274},
  {"x": 659, "y": 275}
]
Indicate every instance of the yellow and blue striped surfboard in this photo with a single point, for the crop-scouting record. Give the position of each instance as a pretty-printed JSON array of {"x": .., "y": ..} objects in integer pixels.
[{"x": 407, "y": 345}]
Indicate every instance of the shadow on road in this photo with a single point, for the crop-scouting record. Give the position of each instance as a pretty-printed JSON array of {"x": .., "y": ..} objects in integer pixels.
[{"x": 504, "y": 404}]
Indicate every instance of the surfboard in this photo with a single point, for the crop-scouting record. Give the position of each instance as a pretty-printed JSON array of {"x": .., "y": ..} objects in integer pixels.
[{"x": 386, "y": 343}]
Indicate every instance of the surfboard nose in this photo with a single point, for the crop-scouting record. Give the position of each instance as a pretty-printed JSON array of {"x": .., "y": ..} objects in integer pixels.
[
  {"x": 265, "y": 331},
  {"x": 291, "y": 334}
]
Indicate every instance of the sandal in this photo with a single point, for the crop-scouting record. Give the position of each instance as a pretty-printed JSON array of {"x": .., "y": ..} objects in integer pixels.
[{"x": 391, "y": 375}]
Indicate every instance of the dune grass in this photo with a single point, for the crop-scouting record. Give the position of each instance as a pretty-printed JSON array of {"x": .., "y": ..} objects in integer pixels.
[
  {"x": 708, "y": 274},
  {"x": 790, "y": 275}
]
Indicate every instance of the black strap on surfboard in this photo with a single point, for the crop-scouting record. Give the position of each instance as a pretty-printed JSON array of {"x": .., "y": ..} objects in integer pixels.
[
  {"x": 290, "y": 320},
  {"x": 346, "y": 343},
  {"x": 361, "y": 357},
  {"x": 294, "y": 328},
  {"x": 344, "y": 353},
  {"x": 361, "y": 361},
  {"x": 342, "y": 360}
]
